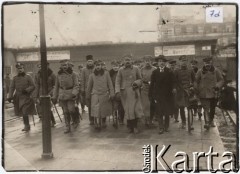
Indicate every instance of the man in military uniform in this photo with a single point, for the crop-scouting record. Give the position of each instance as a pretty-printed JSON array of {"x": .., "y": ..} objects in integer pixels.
[
  {"x": 127, "y": 87},
  {"x": 208, "y": 82},
  {"x": 85, "y": 76},
  {"x": 184, "y": 79},
  {"x": 66, "y": 90},
  {"x": 148, "y": 106},
  {"x": 80, "y": 98},
  {"x": 22, "y": 87},
  {"x": 38, "y": 91}
]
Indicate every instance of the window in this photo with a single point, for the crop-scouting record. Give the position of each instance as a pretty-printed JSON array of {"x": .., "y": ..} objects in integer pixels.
[
  {"x": 228, "y": 28},
  {"x": 7, "y": 70},
  {"x": 189, "y": 29},
  {"x": 200, "y": 29},
  {"x": 178, "y": 30},
  {"x": 214, "y": 29}
]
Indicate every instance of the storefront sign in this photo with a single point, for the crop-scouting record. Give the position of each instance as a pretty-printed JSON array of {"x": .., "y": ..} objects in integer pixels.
[
  {"x": 35, "y": 56},
  {"x": 179, "y": 50}
]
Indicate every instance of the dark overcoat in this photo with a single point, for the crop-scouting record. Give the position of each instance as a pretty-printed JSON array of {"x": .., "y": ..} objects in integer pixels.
[
  {"x": 23, "y": 103},
  {"x": 160, "y": 90}
]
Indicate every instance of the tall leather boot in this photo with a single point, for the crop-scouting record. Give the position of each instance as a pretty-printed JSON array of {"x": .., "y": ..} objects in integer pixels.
[
  {"x": 135, "y": 129},
  {"x": 52, "y": 119},
  {"x": 67, "y": 123},
  {"x": 26, "y": 123},
  {"x": 206, "y": 118}
]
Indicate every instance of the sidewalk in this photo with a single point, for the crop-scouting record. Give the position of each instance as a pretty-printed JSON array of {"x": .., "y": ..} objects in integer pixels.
[{"x": 110, "y": 149}]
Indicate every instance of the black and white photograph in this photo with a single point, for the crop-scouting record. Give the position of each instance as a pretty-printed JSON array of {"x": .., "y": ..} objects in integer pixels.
[{"x": 120, "y": 87}]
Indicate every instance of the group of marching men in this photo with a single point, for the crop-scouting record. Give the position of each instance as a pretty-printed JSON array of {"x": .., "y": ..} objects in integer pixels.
[{"x": 157, "y": 89}]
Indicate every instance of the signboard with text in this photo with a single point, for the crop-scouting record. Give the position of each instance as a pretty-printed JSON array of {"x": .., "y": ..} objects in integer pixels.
[
  {"x": 179, "y": 50},
  {"x": 35, "y": 56}
]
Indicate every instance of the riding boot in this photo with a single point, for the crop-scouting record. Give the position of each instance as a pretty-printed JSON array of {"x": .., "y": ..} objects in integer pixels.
[
  {"x": 67, "y": 123},
  {"x": 26, "y": 123},
  {"x": 52, "y": 119}
]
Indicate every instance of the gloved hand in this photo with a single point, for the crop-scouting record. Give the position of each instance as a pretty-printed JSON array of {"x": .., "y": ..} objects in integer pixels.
[
  {"x": 9, "y": 100},
  {"x": 54, "y": 101},
  {"x": 74, "y": 97},
  {"x": 24, "y": 92}
]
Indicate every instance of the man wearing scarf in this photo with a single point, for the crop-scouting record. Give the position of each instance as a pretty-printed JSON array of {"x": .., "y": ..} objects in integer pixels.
[
  {"x": 66, "y": 90},
  {"x": 100, "y": 91},
  {"x": 148, "y": 106},
  {"x": 208, "y": 82},
  {"x": 38, "y": 91},
  {"x": 184, "y": 79},
  {"x": 128, "y": 83},
  {"x": 22, "y": 87},
  {"x": 85, "y": 76}
]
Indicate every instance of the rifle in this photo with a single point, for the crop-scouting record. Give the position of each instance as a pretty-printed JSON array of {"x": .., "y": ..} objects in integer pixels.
[{"x": 54, "y": 106}]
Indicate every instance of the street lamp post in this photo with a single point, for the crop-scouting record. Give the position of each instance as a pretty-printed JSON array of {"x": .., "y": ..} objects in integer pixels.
[{"x": 45, "y": 98}]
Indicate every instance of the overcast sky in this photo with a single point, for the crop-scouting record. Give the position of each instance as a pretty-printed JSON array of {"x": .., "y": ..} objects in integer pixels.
[{"x": 80, "y": 24}]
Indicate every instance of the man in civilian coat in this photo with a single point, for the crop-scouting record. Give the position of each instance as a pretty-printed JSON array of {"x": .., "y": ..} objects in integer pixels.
[{"x": 161, "y": 91}]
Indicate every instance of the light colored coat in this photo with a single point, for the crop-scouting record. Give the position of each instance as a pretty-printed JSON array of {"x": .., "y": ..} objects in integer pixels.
[
  {"x": 66, "y": 86},
  {"x": 130, "y": 98},
  {"x": 146, "y": 73},
  {"x": 100, "y": 90},
  {"x": 206, "y": 81}
]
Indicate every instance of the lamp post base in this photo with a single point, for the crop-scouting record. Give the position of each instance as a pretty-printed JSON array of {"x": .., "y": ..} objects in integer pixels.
[{"x": 47, "y": 155}]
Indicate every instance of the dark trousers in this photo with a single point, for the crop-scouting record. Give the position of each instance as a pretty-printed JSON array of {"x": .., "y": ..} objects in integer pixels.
[
  {"x": 91, "y": 119},
  {"x": 163, "y": 119},
  {"x": 39, "y": 110},
  {"x": 131, "y": 124},
  {"x": 26, "y": 121},
  {"x": 182, "y": 114},
  {"x": 209, "y": 108},
  {"x": 120, "y": 111},
  {"x": 213, "y": 104},
  {"x": 152, "y": 110}
]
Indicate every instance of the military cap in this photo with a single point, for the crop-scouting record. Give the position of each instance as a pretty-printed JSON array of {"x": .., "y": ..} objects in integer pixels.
[
  {"x": 171, "y": 62},
  {"x": 89, "y": 57},
  {"x": 195, "y": 62},
  {"x": 98, "y": 62},
  {"x": 183, "y": 58},
  {"x": 19, "y": 65},
  {"x": 114, "y": 63},
  {"x": 161, "y": 57},
  {"x": 207, "y": 59},
  {"x": 71, "y": 64},
  {"x": 80, "y": 66},
  {"x": 129, "y": 56},
  {"x": 64, "y": 61},
  {"x": 147, "y": 58}
]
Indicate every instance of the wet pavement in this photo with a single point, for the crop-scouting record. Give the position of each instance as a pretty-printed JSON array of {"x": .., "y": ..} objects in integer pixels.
[{"x": 110, "y": 149}]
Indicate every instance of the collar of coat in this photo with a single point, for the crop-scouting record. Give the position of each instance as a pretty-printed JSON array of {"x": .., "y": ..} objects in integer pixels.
[
  {"x": 89, "y": 67},
  {"x": 112, "y": 72},
  {"x": 204, "y": 70},
  {"x": 49, "y": 72},
  {"x": 130, "y": 67},
  {"x": 100, "y": 72},
  {"x": 21, "y": 74},
  {"x": 68, "y": 71}
]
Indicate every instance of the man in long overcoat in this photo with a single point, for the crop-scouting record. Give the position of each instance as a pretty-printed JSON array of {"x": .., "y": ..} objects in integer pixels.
[
  {"x": 184, "y": 84},
  {"x": 117, "y": 104},
  {"x": 128, "y": 83},
  {"x": 22, "y": 87},
  {"x": 100, "y": 90},
  {"x": 208, "y": 82},
  {"x": 147, "y": 105},
  {"x": 161, "y": 91},
  {"x": 38, "y": 90},
  {"x": 80, "y": 96},
  {"x": 85, "y": 76},
  {"x": 66, "y": 90}
]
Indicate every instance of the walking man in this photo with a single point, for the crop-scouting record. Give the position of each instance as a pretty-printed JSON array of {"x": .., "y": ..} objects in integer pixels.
[
  {"x": 66, "y": 90},
  {"x": 128, "y": 83},
  {"x": 38, "y": 91},
  {"x": 208, "y": 82},
  {"x": 161, "y": 91},
  {"x": 148, "y": 106},
  {"x": 22, "y": 87},
  {"x": 85, "y": 76},
  {"x": 100, "y": 90}
]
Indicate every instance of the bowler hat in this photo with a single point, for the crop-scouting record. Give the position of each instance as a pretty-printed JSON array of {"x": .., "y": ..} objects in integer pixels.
[{"x": 161, "y": 57}]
